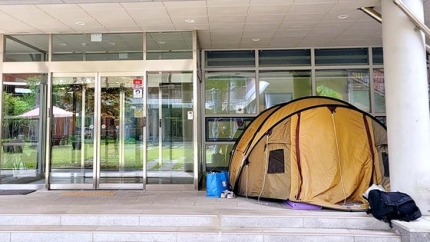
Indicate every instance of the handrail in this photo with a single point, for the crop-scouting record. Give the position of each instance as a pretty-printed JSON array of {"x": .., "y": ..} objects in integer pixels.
[
  {"x": 377, "y": 16},
  {"x": 412, "y": 17}
]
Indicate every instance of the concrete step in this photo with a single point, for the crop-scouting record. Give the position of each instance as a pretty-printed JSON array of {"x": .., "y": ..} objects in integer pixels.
[
  {"x": 249, "y": 219},
  {"x": 177, "y": 216},
  {"x": 187, "y": 234},
  {"x": 246, "y": 225}
]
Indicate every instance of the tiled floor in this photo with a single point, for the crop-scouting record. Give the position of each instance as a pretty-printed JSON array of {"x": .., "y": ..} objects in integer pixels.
[{"x": 133, "y": 201}]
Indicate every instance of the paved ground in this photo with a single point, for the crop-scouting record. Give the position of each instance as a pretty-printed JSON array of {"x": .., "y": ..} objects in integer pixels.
[{"x": 133, "y": 201}]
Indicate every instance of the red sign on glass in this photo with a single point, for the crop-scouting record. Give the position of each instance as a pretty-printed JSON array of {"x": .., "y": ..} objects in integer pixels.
[{"x": 137, "y": 83}]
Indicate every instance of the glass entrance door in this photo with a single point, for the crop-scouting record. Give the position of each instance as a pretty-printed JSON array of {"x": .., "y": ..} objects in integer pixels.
[
  {"x": 96, "y": 133},
  {"x": 121, "y": 132},
  {"x": 169, "y": 129},
  {"x": 118, "y": 132},
  {"x": 72, "y": 156}
]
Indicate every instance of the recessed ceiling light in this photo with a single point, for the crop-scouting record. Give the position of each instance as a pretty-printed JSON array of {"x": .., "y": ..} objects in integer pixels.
[
  {"x": 190, "y": 21},
  {"x": 62, "y": 44},
  {"x": 343, "y": 16},
  {"x": 80, "y": 23},
  {"x": 112, "y": 43},
  {"x": 161, "y": 42},
  {"x": 255, "y": 40}
]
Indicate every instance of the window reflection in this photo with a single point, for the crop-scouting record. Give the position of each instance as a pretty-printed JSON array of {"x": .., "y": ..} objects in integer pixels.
[
  {"x": 350, "y": 85},
  {"x": 283, "y": 86},
  {"x": 230, "y": 92},
  {"x": 225, "y": 129},
  {"x": 29, "y": 48},
  {"x": 379, "y": 90},
  {"x": 21, "y": 163},
  {"x": 169, "y": 45},
  {"x": 217, "y": 161},
  {"x": 93, "y": 47}
]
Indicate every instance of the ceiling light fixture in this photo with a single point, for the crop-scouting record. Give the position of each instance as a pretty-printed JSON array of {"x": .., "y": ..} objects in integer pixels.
[
  {"x": 161, "y": 42},
  {"x": 84, "y": 44},
  {"x": 112, "y": 43},
  {"x": 189, "y": 21},
  {"x": 80, "y": 23},
  {"x": 342, "y": 16},
  {"x": 62, "y": 44},
  {"x": 255, "y": 40}
]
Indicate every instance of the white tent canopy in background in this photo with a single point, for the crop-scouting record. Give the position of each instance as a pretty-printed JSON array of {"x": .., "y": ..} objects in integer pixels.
[{"x": 57, "y": 112}]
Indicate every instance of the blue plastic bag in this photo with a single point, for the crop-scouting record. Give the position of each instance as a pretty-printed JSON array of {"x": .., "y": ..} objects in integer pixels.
[{"x": 216, "y": 183}]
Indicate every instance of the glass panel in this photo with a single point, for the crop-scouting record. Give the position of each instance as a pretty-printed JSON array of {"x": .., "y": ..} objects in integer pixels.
[
  {"x": 283, "y": 86},
  {"x": 348, "y": 85},
  {"x": 92, "y": 47},
  {"x": 26, "y": 48},
  {"x": 225, "y": 129},
  {"x": 218, "y": 156},
  {"x": 21, "y": 163},
  {"x": 230, "y": 92},
  {"x": 351, "y": 56},
  {"x": 169, "y": 45},
  {"x": 72, "y": 146},
  {"x": 230, "y": 58},
  {"x": 284, "y": 57},
  {"x": 121, "y": 130},
  {"x": 379, "y": 90},
  {"x": 170, "y": 128},
  {"x": 378, "y": 56},
  {"x": 114, "y": 56}
]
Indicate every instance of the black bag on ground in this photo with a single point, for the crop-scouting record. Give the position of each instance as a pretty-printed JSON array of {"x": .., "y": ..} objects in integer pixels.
[{"x": 387, "y": 206}]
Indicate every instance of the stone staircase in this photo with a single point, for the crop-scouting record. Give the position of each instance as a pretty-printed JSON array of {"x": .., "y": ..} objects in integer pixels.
[{"x": 187, "y": 225}]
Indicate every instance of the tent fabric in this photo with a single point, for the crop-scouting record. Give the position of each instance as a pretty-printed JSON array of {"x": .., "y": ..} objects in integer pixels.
[{"x": 316, "y": 150}]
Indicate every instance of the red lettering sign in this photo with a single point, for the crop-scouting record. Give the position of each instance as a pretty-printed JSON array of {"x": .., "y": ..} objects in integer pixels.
[{"x": 137, "y": 81}]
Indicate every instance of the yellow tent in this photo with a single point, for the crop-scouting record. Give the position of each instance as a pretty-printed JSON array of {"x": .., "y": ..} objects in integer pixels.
[{"x": 316, "y": 150}]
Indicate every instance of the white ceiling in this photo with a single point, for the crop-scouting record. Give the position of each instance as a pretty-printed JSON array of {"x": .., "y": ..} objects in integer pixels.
[{"x": 220, "y": 24}]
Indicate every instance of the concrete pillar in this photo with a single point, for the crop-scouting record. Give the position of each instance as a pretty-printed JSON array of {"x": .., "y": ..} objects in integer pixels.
[{"x": 407, "y": 102}]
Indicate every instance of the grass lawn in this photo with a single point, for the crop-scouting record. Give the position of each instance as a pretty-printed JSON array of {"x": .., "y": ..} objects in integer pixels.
[{"x": 64, "y": 156}]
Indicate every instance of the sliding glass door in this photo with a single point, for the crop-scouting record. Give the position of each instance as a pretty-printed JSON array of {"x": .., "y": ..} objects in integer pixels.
[
  {"x": 72, "y": 157},
  {"x": 169, "y": 128},
  {"x": 121, "y": 131},
  {"x": 121, "y": 134}
]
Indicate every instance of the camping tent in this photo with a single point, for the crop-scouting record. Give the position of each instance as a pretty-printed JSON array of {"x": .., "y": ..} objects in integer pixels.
[{"x": 316, "y": 150}]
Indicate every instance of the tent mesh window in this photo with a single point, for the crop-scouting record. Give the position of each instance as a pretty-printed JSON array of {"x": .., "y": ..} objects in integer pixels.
[
  {"x": 276, "y": 161},
  {"x": 385, "y": 163}
]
